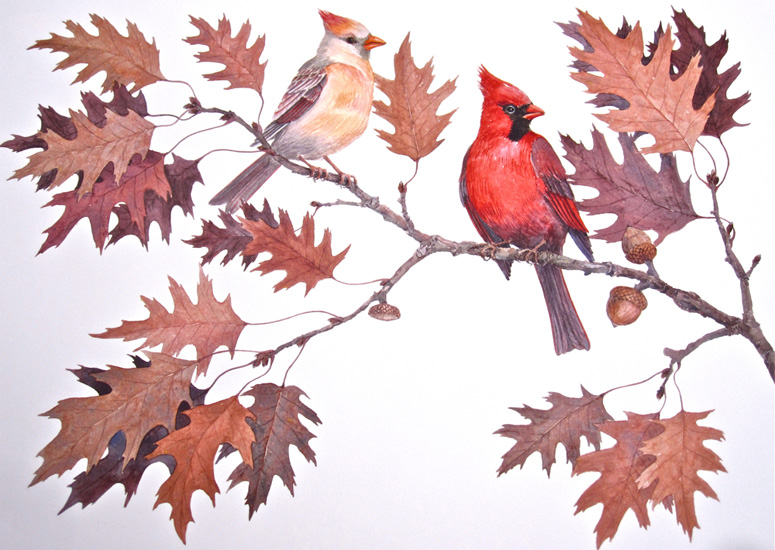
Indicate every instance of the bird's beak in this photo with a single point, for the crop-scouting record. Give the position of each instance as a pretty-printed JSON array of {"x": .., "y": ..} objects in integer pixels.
[
  {"x": 373, "y": 41},
  {"x": 533, "y": 111}
]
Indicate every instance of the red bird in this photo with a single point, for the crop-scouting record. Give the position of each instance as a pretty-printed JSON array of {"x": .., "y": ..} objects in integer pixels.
[{"x": 517, "y": 193}]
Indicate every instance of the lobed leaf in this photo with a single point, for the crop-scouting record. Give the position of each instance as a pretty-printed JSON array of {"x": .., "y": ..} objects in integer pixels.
[
  {"x": 658, "y": 104},
  {"x": 412, "y": 109},
  {"x": 206, "y": 325},
  {"x": 125, "y": 59},
  {"x": 243, "y": 67},
  {"x": 302, "y": 260}
]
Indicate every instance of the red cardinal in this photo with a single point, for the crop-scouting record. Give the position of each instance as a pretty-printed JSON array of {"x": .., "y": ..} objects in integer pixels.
[
  {"x": 326, "y": 107},
  {"x": 517, "y": 193}
]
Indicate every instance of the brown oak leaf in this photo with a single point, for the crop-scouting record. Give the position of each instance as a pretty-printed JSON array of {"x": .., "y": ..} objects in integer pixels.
[
  {"x": 140, "y": 178},
  {"x": 620, "y": 467},
  {"x": 412, "y": 109},
  {"x": 232, "y": 238},
  {"x": 298, "y": 256},
  {"x": 181, "y": 175},
  {"x": 206, "y": 325},
  {"x": 140, "y": 399},
  {"x": 193, "y": 448},
  {"x": 90, "y": 486},
  {"x": 276, "y": 426},
  {"x": 243, "y": 67},
  {"x": 125, "y": 59},
  {"x": 639, "y": 196},
  {"x": 565, "y": 422},
  {"x": 93, "y": 148},
  {"x": 680, "y": 455},
  {"x": 692, "y": 40},
  {"x": 658, "y": 104}
]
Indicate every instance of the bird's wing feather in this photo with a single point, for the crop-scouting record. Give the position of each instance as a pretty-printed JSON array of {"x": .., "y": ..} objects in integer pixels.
[
  {"x": 303, "y": 92},
  {"x": 485, "y": 231},
  {"x": 558, "y": 192}
]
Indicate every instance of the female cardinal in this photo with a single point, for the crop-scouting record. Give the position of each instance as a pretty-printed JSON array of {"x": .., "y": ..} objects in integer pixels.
[
  {"x": 517, "y": 193},
  {"x": 325, "y": 108}
]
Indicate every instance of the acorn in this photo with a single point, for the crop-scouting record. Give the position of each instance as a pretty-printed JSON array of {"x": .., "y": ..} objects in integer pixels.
[
  {"x": 384, "y": 312},
  {"x": 637, "y": 246},
  {"x": 624, "y": 305}
]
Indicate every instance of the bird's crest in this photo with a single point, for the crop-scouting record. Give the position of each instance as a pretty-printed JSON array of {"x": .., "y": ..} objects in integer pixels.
[
  {"x": 500, "y": 91},
  {"x": 336, "y": 24}
]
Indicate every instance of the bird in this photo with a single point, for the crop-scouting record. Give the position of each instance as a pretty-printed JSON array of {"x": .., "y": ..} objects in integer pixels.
[
  {"x": 325, "y": 108},
  {"x": 516, "y": 192}
]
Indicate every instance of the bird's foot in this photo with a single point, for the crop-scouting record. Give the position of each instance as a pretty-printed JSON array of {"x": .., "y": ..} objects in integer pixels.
[
  {"x": 345, "y": 180},
  {"x": 316, "y": 172},
  {"x": 531, "y": 254}
]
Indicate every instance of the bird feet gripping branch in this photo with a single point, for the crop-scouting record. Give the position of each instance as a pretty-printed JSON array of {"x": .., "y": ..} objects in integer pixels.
[
  {"x": 316, "y": 173},
  {"x": 531, "y": 254}
]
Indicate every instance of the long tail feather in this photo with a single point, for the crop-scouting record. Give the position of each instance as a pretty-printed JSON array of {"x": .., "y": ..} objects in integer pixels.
[
  {"x": 567, "y": 330},
  {"x": 246, "y": 183}
]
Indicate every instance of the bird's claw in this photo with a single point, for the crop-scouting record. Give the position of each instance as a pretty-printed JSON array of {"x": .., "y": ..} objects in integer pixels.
[
  {"x": 347, "y": 180},
  {"x": 531, "y": 254}
]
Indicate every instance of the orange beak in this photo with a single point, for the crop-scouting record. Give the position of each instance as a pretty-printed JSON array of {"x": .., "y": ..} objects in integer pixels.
[
  {"x": 372, "y": 42},
  {"x": 533, "y": 111}
]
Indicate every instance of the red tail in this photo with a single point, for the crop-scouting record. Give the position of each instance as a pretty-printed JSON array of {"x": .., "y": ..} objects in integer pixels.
[{"x": 567, "y": 330}]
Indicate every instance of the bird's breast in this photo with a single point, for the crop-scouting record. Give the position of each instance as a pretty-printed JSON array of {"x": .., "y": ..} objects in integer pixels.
[
  {"x": 339, "y": 116},
  {"x": 506, "y": 194}
]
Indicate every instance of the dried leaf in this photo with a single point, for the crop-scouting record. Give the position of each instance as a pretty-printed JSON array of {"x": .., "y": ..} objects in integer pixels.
[
  {"x": 125, "y": 59},
  {"x": 638, "y": 195},
  {"x": 276, "y": 427},
  {"x": 243, "y": 67},
  {"x": 565, "y": 422},
  {"x": 194, "y": 448},
  {"x": 298, "y": 256},
  {"x": 680, "y": 455},
  {"x": 140, "y": 399},
  {"x": 117, "y": 142},
  {"x": 141, "y": 178},
  {"x": 620, "y": 466},
  {"x": 692, "y": 40},
  {"x": 206, "y": 325},
  {"x": 232, "y": 238},
  {"x": 181, "y": 176},
  {"x": 658, "y": 104},
  {"x": 412, "y": 109}
]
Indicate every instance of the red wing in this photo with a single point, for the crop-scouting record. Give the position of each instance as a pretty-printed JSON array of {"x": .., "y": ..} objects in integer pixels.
[
  {"x": 558, "y": 192},
  {"x": 301, "y": 95}
]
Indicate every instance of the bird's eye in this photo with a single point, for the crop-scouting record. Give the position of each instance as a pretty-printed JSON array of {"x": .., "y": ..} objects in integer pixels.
[
  {"x": 509, "y": 109},
  {"x": 351, "y": 40}
]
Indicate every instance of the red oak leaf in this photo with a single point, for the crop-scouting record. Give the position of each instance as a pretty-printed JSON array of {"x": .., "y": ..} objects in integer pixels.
[
  {"x": 639, "y": 196},
  {"x": 141, "y": 177},
  {"x": 276, "y": 426},
  {"x": 302, "y": 260},
  {"x": 412, "y": 109},
  {"x": 89, "y": 423},
  {"x": 243, "y": 67},
  {"x": 206, "y": 325},
  {"x": 194, "y": 448},
  {"x": 568, "y": 419},
  {"x": 680, "y": 455},
  {"x": 620, "y": 467}
]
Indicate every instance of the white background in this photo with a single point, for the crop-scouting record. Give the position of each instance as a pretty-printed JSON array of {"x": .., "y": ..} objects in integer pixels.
[{"x": 406, "y": 452}]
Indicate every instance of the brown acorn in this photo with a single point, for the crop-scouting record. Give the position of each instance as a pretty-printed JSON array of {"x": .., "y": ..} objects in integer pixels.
[
  {"x": 384, "y": 312},
  {"x": 624, "y": 305},
  {"x": 637, "y": 246}
]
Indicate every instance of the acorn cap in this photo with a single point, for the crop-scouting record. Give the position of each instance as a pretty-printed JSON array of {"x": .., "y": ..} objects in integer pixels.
[
  {"x": 625, "y": 305},
  {"x": 384, "y": 312}
]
